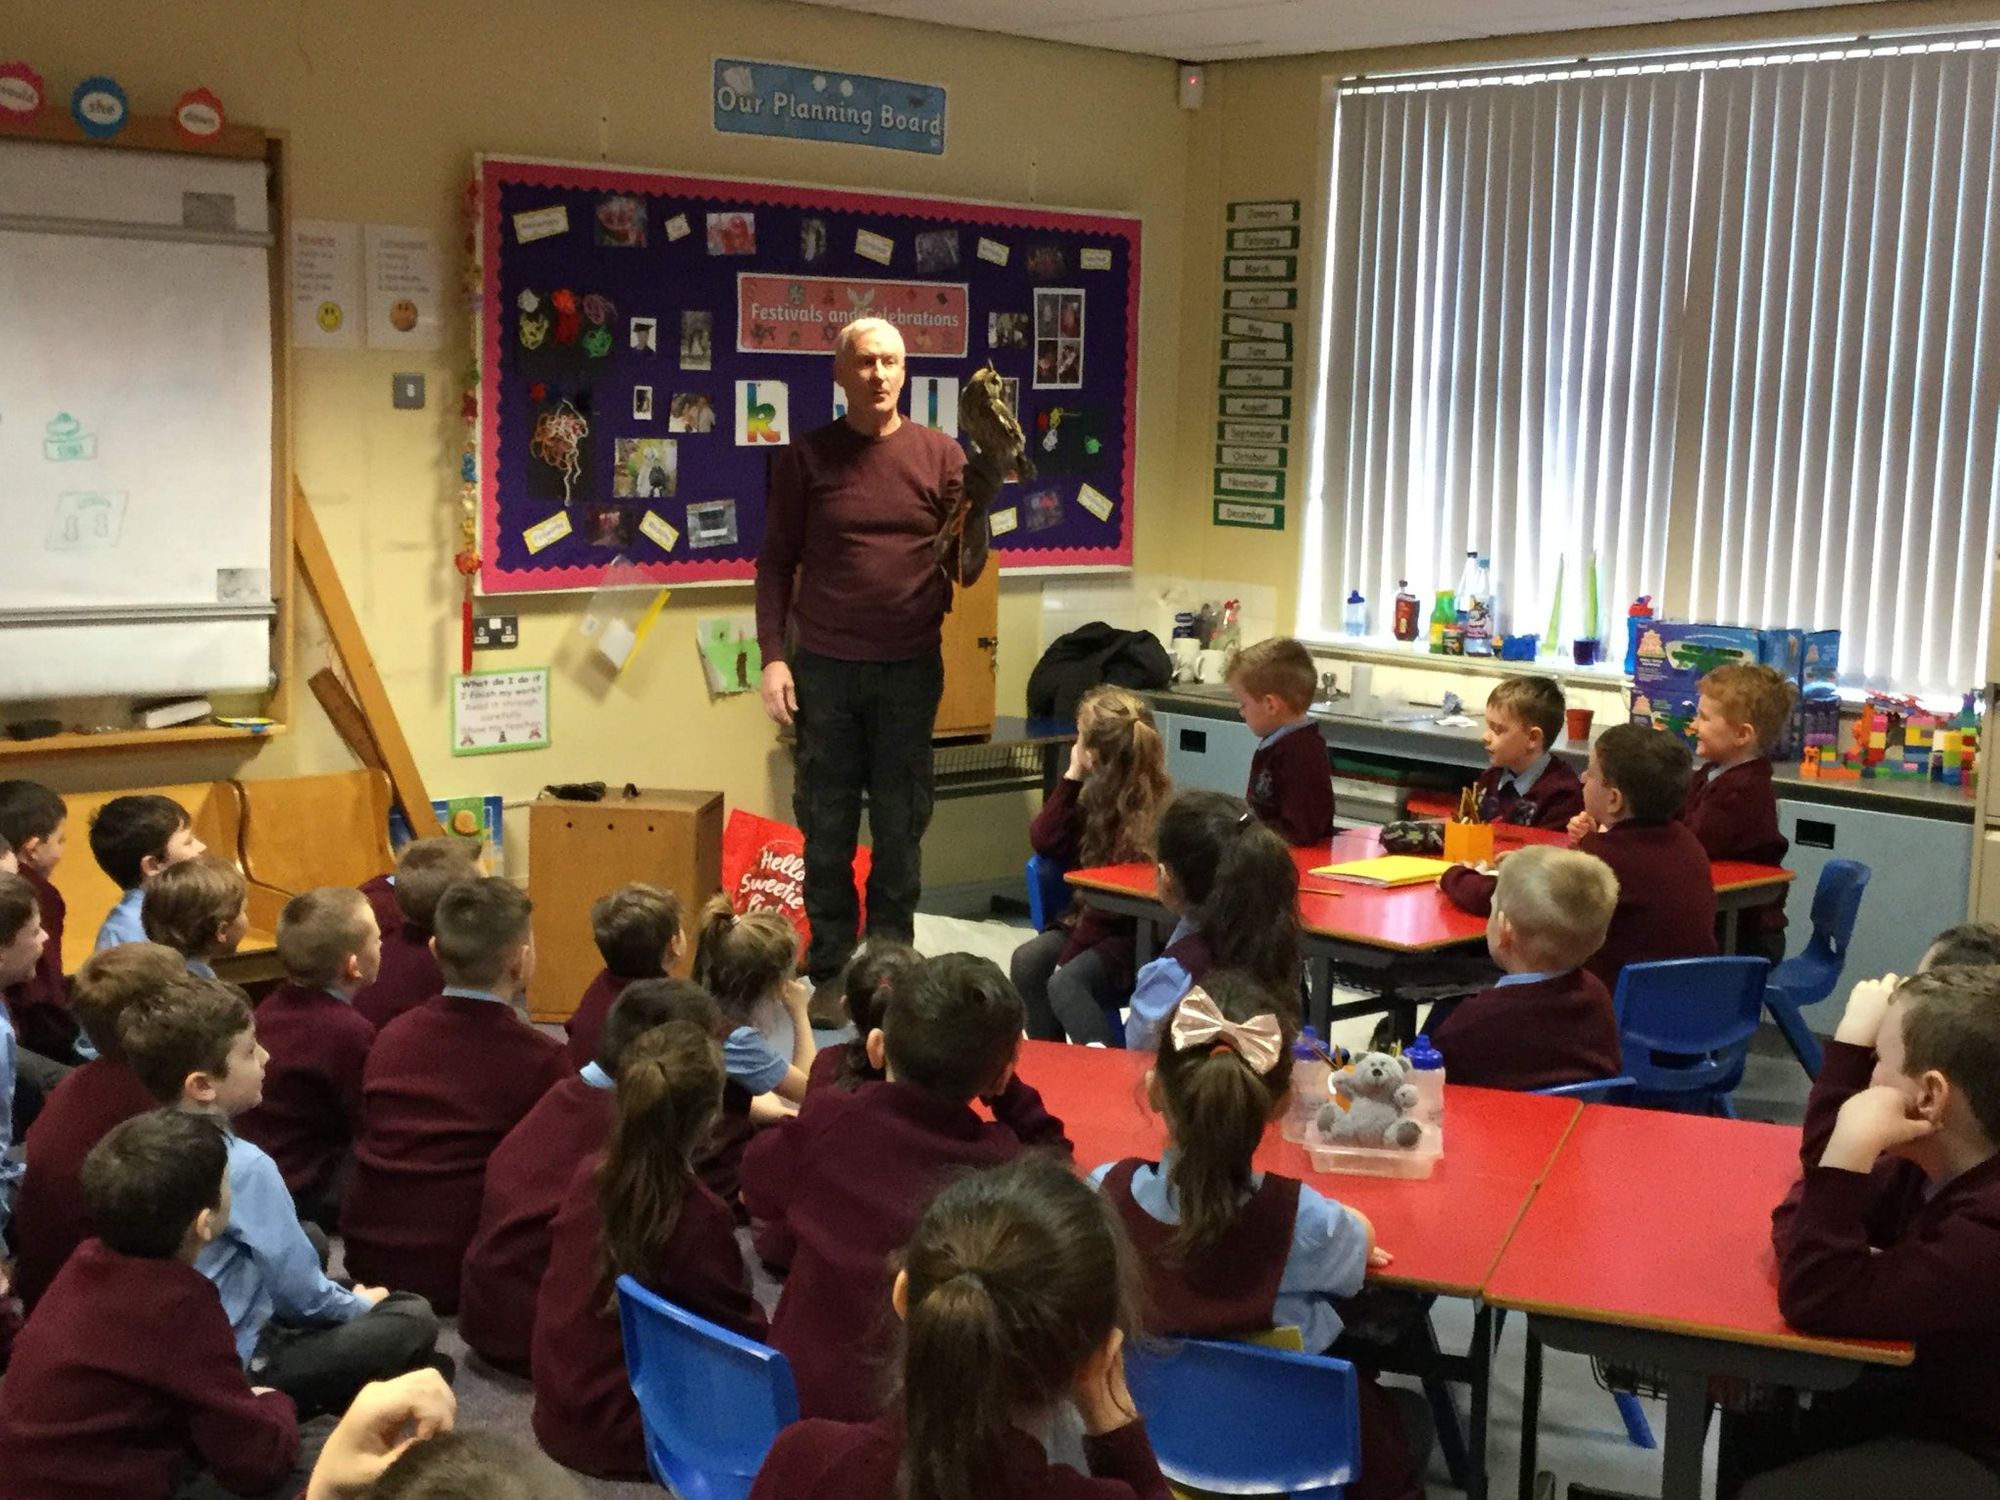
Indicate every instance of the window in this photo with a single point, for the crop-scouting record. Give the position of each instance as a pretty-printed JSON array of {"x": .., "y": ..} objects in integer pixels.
[{"x": 1722, "y": 325}]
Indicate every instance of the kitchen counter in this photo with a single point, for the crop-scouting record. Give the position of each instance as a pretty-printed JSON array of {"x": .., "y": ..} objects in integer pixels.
[{"x": 1402, "y": 732}]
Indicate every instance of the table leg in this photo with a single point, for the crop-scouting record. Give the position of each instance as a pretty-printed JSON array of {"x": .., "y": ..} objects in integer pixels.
[
  {"x": 1319, "y": 991},
  {"x": 1481, "y": 1355},
  {"x": 1731, "y": 920},
  {"x": 1145, "y": 942},
  {"x": 1531, "y": 1410},
  {"x": 1687, "y": 1428}
]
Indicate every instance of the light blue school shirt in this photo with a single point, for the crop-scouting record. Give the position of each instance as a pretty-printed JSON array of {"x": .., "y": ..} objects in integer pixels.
[
  {"x": 122, "y": 923},
  {"x": 595, "y": 1076},
  {"x": 1159, "y": 988},
  {"x": 1506, "y": 979},
  {"x": 263, "y": 1266},
  {"x": 200, "y": 968},
  {"x": 10, "y": 1171},
  {"x": 1328, "y": 1258},
  {"x": 1302, "y": 722},
  {"x": 750, "y": 1060},
  {"x": 1524, "y": 780}
]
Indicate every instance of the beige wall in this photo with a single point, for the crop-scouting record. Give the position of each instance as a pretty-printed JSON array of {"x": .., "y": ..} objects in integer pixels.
[
  {"x": 1261, "y": 135},
  {"x": 385, "y": 105}
]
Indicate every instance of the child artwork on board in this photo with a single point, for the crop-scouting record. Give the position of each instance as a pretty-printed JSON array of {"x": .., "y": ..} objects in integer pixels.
[
  {"x": 697, "y": 339},
  {"x": 647, "y": 469},
  {"x": 561, "y": 445},
  {"x": 646, "y": 335},
  {"x": 609, "y": 526},
  {"x": 730, "y": 657},
  {"x": 732, "y": 234},
  {"x": 621, "y": 221},
  {"x": 691, "y": 411}
]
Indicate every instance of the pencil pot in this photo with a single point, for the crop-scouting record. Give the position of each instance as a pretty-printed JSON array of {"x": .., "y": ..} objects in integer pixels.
[{"x": 1468, "y": 843}]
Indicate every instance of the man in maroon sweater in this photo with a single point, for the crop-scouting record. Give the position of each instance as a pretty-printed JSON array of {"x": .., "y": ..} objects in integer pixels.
[
  {"x": 1636, "y": 779},
  {"x": 531, "y": 1168},
  {"x": 409, "y": 972},
  {"x": 331, "y": 948},
  {"x": 1549, "y": 1021},
  {"x": 128, "y": 1369},
  {"x": 637, "y": 929},
  {"x": 444, "y": 1084},
  {"x": 1731, "y": 806},
  {"x": 49, "y": 1219},
  {"x": 1896, "y": 1235},
  {"x": 851, "y": 1176},
  {"x": 851, "y": 601},
  {"x": 1291, "y": 778}
]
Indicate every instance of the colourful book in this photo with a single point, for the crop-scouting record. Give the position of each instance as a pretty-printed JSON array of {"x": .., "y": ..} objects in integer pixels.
[{"x": 1387, "y": 870}]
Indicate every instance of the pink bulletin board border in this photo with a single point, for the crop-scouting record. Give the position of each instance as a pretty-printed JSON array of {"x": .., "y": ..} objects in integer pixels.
[{"x": 535, "y": 172}]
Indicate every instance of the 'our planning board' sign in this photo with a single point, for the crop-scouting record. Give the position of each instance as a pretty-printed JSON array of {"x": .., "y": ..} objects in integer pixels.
[{"x": 819, "y": 104}]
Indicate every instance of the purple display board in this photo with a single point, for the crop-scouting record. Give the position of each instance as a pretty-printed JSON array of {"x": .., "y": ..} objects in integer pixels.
[{"x": 649, "y": 341}]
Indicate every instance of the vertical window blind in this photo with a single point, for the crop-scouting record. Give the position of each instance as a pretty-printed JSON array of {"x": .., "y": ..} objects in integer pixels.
[{"x": 1722, "y": 324}]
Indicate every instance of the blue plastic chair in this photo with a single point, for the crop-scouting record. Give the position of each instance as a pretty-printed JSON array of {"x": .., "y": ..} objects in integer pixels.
[
  {"x": 1685, "y": 1026},
  {"x": 1048, "y": 893},
  {"x": 1593, "y": 1090},
  {"x": 1293, "y": 1424},
  {"x": 713, "y": 1402},
  {"x": 1811, "y": 974}
]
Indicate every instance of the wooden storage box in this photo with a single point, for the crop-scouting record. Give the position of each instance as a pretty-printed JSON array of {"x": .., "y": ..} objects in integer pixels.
[{"x": 578, "y": 851}]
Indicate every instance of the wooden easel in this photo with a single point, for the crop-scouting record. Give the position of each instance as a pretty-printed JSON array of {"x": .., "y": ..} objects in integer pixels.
[{"x": 369, "y": 725}]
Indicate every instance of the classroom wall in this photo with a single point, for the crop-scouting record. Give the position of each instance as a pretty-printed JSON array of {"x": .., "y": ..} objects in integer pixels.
[
  {"x": 1262, "y": 134},
  {"x": 385, "y": 105}
]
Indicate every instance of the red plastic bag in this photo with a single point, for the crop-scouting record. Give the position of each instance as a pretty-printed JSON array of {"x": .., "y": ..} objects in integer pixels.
[{"x": 764, "y": 867}]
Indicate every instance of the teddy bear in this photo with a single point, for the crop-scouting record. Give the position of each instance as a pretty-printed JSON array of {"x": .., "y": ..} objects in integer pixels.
[{"x": 1378, "y": 1099}]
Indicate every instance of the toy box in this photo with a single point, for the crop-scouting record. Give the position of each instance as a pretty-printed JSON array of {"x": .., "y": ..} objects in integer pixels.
[{"x": 1671, "y": 660}]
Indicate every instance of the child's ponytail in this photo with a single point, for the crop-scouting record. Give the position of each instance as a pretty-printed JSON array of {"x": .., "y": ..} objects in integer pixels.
[
  {"x": 1016, "y": 1277},
  {"x": 1122, "y": 797},
  {"x": 669, "y": 1091},
  {"x": 740, "y": 960},
  {"x": 1223, "y": 1073},
  {"x": 1241, "y": 887}
]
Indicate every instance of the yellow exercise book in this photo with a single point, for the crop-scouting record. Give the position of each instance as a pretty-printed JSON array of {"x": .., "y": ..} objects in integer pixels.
[{"x": 1387, "y": 870}]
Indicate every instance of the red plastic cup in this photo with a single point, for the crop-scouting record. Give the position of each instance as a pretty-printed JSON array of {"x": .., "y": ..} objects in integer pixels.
[{"x": 1577, "y": 722}]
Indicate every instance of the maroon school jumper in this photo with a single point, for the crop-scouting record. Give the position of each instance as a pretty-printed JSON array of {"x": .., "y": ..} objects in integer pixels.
[
  {"x": 1532, "y": 1036},
  {"x": 585, "y": 1413},
  {"x": 39, "y": 1004},
  {"x": 126, "y": 1371},
  {"x": 525, "y": 1181},
  {"x": 49, "y": 1220},
  {"x": 1057, "y": 834},
  {"x": 1555, "y": 798},
  {"x": 850, "y": 1178},
  {"x": 409, "y": 976},
  {"x": 1232, "y": 1289},
  {"x": 1881, "y": 1255},
  {"x": 1666, "y": 895},
  {"x": 1735, "y": 815},
  {"x": 830, "y": 1065},
  {"x": 312, "y": 1085},
  {"x": 860, "y": 513},
  {"x": 859, "y": 1460},
  {"x": 381, "y": 893},
  {"x": 585, "y": 1027},
  {"x": 443, "y": 1086},
  {"x": 1291, "y": 786}
]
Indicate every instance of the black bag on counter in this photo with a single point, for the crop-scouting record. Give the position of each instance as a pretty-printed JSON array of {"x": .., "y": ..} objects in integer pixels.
[{"x": 1093, "y": 654}]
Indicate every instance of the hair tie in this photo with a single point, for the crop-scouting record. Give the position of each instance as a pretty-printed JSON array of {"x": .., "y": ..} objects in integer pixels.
[
  {"x": 1259, "y": 1041},
  {"x": 1244, "y": 821}
]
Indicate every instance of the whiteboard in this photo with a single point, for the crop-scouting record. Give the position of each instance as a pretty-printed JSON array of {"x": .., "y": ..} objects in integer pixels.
[{"x": 136, "y": 423}]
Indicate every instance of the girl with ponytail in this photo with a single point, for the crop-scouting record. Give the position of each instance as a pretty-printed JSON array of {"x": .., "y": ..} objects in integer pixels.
[
  {"x": 1226, "y": 1249},
  {"x": 637, "y": 1210},
  {"x": 750, "y": 964},
  {"x": 1015, "y": 1296},
  {"x": 1232, "y": 885},
  {"x": 1074, "y": 977}
]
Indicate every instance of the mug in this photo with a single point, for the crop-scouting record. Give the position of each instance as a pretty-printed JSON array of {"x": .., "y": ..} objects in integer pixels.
[
  {"x": 1210, "y": 664},
  {"x": 1185, "y": 649}
]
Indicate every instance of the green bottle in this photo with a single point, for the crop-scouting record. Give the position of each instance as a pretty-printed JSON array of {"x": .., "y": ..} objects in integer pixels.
[{"x": 1443, "y": 613}]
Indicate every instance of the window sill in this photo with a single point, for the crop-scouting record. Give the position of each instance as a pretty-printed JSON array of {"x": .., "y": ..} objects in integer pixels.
[{"x": 1602, "y": 676}]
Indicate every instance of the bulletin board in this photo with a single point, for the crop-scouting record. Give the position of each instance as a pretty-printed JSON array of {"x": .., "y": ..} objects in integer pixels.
[{"x": 649, "y": 341}]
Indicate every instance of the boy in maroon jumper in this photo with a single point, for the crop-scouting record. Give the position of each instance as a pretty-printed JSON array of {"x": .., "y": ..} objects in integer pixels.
[
  {"x": 1897, "y": 1236},
  {"x": 443, "y": 1086},
  {"x": 850, "y": 1176},
  {"x": 1528, "y": 784},
  {"x": 528, "y": 1173},
  {"x": 1741, "y": 714},
  {"x": 128, "y": 1370},
  {"x": 410, "y": 974},
  {"x": 381, "y": 893},
  {"x": 49, "y": 1220},
  {"x": 1291, "y": 778},
  {"x": 1636, "y": 780},
  {"x": 1548, "y": 1021},
  {"x": 638, "y": 931},
  {"x": 32, "y": 820},
  {"x": 330, "y": 947}
]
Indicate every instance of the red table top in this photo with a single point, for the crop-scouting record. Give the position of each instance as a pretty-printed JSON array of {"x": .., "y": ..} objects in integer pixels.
[
  {"x": 1412, "y": 918},
  {"x": 1654, "y": 1220},
  {"x": 1446, "y": 1232}
]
